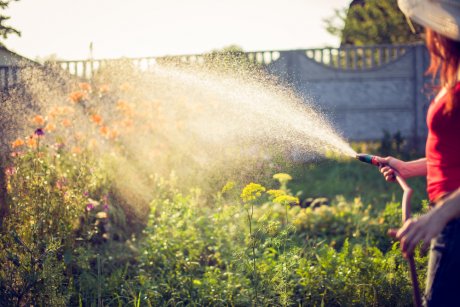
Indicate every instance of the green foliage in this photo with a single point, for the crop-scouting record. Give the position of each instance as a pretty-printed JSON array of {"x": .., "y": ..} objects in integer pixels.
[
  {"x": 66, "y": 241},
  {"x": 6, "y": 30},
  {"x": 372, "y": 22},
  {"x": 329, "y": 178},
  {"x": 46, "y": 199}
]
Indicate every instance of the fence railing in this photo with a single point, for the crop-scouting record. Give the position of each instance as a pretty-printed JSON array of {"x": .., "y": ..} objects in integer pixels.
[
  {"x": 353, "y": 58},
  {"x": 357, "y": 57},
  {"x": 348, "y": 58}
]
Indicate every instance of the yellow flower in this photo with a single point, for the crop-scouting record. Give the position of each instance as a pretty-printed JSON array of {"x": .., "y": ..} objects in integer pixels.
[
  {"x": 282, "y": 177},
  {"x": 286, "y": 200},
  {"x": 228, "y": 186},
  {"x": 276, "y": 193},
  {"x": 251, "y": 192}
]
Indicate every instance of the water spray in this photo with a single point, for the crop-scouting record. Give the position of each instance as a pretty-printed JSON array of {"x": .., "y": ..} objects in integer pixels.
[{"x": 407, "y": 193}]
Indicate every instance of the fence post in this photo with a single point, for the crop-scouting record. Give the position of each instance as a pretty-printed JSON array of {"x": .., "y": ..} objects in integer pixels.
[{"x": 420, "y": 99}]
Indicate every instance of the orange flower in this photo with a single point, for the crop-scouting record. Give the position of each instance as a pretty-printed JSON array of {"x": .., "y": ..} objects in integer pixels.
[
  {"x": 38, "y": 120},
  {"x": 17, "y": 143},
  {"x": 85, "y": 86},
  {"x": 97, "y": 119},
  {"x": 66, "y": 122},
  {"x": 53, "y": 112},
  {"x": 113, "y": 134},
  {"x": 124, "y": 107},
  {"x": 50, "y": 127},
  {"x": 32, "y": 142},
  {"x": 76, "y": 150},
  {"x": 104, "y": 88},
  {"x": 104, "y": 130},
  {"x": 77, "y": 96}
]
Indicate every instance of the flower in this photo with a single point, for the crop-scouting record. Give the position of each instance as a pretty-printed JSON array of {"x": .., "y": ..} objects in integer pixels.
[
  {"x": 38, "y": 120},
  {"x": 113, "y": 134},
  {"x": 54, "y": 112},
  {"x": 76, "y": 150},
  {"x": 282, "y": 177},
  {"x": 104, "y": 130},
  {"x": 17, "y": 143},
  {"x": 97, "y": 119},
  {"x": 10, "y": 170},
  {"x": 124, "y": 107},
  {"x": 276, "y": 193},
  {"x": 89, "y": 207},
  {"x": 77, "y": 96},
  {"x": 104, "y": 88},
  {"x": 32, "y": 142},
  {"x": 228, "y": 186},
  {"x": 50, "y": 127},
  {"x": 61, "y": 183},
  {"x": 39, "y": 132},
  {"x": 85, "y": 86},
  {"x": 15, "y": 154},
  {"x": 102, "y": 215},
  {"x": 66, "y": 123},
  {"x": 251, "y": 192},
  {"x": 59, "y": 146},
  {"x": 286, "y": 200}
]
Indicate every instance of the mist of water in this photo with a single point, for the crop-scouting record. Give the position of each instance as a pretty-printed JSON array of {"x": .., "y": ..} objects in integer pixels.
[{"x": 192, "y": 121}]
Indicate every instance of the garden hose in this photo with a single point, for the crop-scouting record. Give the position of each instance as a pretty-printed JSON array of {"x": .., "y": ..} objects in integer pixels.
[{"x": 407, "y": 193}]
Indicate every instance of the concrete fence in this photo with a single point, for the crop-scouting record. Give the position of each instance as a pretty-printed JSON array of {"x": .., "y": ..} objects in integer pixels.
[{"x": 363, "y": 90}]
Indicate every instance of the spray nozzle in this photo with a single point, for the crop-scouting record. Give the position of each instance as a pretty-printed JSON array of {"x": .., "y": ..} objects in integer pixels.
[{"x": 366, "y": 158}]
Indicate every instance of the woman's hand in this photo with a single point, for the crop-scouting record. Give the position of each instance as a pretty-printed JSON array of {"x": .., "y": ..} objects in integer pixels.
[
  {"x": 405, "y": 169},
  {"x": 414, "y": 230},
  {"x": 389, "y": 164}
]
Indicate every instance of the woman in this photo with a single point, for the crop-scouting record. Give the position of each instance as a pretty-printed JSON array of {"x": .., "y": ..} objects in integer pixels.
[{"x": 441, "y": 225}]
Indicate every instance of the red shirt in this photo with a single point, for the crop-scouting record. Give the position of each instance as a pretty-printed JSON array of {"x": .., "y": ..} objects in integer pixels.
[{"x": 443, "y": 149}]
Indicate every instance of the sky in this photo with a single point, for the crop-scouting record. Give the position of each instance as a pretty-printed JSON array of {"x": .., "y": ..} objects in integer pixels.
[{"x": 138, "y": 28}]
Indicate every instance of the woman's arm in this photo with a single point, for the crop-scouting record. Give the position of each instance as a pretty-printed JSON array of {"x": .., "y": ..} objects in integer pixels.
[
  {"x": 405, "y": 169},
  {"x": 429, "y": 225}
]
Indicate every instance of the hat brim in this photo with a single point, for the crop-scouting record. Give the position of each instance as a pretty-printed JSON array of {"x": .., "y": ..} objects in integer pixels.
[{"x": 441, "y": 17}]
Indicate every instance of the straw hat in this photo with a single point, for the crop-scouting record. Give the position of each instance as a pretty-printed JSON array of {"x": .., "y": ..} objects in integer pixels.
[{"x": 442, "y": 16}]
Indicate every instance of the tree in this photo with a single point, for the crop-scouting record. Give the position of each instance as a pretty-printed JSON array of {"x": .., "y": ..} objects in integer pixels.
[
  {"x": 369, "y": 22},
  {"x": 6, "y": 30}
]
